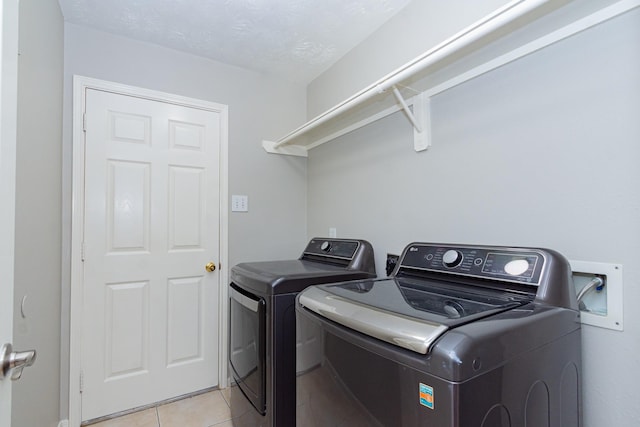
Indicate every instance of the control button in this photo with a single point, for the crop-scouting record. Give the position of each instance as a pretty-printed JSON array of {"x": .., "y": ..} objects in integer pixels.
[
  {"x": 477, "y": 261},
  {"x": 516, "y": 267},
  {"x": 325, "y": 246},
  {"x": 429, "y": 257},
  {"x": 452, "y": 258}
]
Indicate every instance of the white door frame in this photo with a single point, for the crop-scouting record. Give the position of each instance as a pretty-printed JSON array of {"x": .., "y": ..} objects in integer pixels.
[
  {"x": 80, "y": 86},
  {"x": 8, "y": 142}
]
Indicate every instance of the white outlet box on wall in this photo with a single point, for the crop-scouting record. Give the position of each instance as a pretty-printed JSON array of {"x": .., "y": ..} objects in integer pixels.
[{"x": 603, "y": 309}]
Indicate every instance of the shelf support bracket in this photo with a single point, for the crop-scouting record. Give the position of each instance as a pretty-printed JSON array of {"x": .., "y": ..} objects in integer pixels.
[
  {"x": 422, "y": 114},
  {"x": 420, "y": 118},
  {"x": 289, "y": 150},
  {"x": 406, "y": 109}
]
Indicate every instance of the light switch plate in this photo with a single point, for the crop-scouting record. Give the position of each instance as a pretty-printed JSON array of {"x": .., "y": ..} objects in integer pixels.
[{"x": 239, "y": 203}]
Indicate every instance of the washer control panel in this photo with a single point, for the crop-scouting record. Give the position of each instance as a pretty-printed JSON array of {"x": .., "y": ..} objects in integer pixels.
[{"x": 518, "y": 265}]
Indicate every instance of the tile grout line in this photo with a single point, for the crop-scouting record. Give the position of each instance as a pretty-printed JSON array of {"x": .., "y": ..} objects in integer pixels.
[{"x": 158, "y": 416}]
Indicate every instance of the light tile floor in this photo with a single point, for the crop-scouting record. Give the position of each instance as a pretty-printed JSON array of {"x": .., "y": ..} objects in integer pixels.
[{"x": 204, "y": 410}]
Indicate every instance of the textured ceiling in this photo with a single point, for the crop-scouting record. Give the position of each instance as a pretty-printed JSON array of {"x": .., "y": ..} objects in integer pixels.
[{"x": 295, "y": 39}]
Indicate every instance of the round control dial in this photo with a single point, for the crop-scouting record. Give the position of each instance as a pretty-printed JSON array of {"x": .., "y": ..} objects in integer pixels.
[
  {"x": 452, "y": 258},
  {"x": 325, "y": 246}
]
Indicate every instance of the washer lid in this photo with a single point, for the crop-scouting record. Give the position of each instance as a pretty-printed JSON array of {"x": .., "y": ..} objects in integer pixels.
[{"x": 408, "y": 313}]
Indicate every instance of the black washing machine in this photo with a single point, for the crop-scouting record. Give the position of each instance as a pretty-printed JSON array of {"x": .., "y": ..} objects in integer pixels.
[
  {"x": 262, "y": 332},
  {"x": 458, "y": 336}
]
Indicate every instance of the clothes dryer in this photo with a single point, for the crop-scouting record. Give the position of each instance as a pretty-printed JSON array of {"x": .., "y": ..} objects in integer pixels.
[{"x": 262, "y": 338}]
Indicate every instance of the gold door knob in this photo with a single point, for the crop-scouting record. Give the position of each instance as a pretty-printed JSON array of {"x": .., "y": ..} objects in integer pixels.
[{"x": 210, "y": 267}]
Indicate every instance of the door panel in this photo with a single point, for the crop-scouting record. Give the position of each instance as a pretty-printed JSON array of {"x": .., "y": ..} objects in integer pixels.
[
  {"x": 151, "y": 226},
  {"x": 186, "y": 207},
  {"x": 185, "y": 314},
  {"x": 128, "y": 213},
  {"x": 126, "y": 309}
]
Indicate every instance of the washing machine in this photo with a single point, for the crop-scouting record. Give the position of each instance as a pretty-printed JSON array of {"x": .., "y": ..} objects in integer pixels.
[
  {"x": 262, "y": 333},
  {"x": 458, "y": 336}
]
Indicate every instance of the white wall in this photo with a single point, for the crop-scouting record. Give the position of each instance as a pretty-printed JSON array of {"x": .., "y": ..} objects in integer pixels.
[
  {"x": 260, "y": 107},
  {"x": 38, "y": 208},
  {"x": 418, "y": 27},
  {"x": 542, "y": 152}
]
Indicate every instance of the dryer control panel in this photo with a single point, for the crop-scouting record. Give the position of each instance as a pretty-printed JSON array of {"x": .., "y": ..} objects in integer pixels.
[{"x": 337, "y": 248}]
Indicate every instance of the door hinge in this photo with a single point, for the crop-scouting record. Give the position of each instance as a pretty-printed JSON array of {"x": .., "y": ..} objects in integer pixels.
[
  {"x": 84, "y": 122},
  {"x": 82, "y": 249},
  {"x": 81, "y": 381}
]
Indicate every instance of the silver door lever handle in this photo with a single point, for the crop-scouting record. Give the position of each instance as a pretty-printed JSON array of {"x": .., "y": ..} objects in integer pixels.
[{"x": 13, "y": 362}]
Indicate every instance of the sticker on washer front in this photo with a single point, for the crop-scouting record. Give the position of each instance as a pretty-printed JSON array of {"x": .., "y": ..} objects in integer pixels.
[{"x": 426, "y": 396}]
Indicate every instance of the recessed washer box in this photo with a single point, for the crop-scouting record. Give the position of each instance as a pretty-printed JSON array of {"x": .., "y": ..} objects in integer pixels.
[{"x": 604, "y": 308}]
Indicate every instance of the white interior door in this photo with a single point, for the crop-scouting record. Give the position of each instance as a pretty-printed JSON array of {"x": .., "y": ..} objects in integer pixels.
[
  {"x": 8, "y": 111},
  {"x": 150, "y": 323}
]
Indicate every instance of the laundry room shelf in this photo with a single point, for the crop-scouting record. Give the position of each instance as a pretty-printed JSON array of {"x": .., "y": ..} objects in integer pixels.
[{"x": 409, "y": 88}]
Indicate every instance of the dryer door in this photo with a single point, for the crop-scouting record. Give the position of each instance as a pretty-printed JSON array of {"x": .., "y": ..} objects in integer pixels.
[{"x": 247, "y": 339}]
